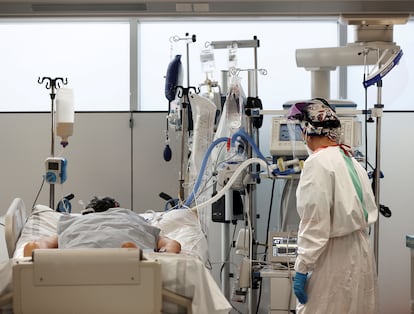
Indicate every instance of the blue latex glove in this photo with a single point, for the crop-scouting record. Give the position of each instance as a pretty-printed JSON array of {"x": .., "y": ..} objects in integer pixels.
[{"x": 299, "y": 287}]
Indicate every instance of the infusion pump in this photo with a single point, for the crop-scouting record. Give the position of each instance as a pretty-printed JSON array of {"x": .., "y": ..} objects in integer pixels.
[{"x": 286, "y": 136}]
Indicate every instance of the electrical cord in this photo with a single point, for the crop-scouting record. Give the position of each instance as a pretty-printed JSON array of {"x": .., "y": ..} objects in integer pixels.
[
  {"x": 267, "y": 239},
  {"x": 228, "y": 253},
  {"x": 269, "y": 216},
  {"x": 227, "y": 261},
  {"x": 233, "y": 178},
  {"x": 38, "y": 193},
  {"x": 289, "y": 273},
  {"x": 234, "y": 308}
]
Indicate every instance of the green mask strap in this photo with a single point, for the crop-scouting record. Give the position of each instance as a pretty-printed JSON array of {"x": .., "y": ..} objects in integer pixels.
[{"x": 355, "y": 181}]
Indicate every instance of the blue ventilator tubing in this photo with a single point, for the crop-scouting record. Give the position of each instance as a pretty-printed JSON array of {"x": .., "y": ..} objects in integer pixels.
[
  {"x": 241, "y": 133},
  {"x": 246, "y": 137},
  {"x": 203, "y": 166}
]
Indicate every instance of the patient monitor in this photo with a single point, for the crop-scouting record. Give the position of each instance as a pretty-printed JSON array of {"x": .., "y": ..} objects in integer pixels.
[
  {"x": 286, "y": 138},
  {"x": 286, "y": 135}
]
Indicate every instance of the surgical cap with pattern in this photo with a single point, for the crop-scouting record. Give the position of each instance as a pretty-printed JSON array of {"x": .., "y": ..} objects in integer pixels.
[{"x": 317, "y": 118}]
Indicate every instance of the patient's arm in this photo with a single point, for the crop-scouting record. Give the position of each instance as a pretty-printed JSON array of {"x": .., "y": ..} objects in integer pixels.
[
  {"x": 166, "y": 244},
  {"x": 45, "y": 243}
]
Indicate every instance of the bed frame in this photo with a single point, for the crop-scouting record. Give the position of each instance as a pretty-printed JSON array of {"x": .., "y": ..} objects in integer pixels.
[
  {"x": 84, "y": 280},
  {"x": 87, "y": 281},
  {"x": 14, "y": 221}
]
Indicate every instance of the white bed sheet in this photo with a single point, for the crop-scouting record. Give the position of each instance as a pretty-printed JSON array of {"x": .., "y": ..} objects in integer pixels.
[
  {"x": 190, "y": 277},
  {"x": 187, "y": 276}
]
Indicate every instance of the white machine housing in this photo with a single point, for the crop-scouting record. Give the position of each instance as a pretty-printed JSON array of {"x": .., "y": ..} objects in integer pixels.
[
  {"x": 281, "y": 143},
  {"x": 55, "y": 170},
  {"x": 283, "y": 299}
]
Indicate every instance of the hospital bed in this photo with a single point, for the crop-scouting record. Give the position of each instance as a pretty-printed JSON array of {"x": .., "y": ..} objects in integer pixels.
[{"x": 107, "y": 280}]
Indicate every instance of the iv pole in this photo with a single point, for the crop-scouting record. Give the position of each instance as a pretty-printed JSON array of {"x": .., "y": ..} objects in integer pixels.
[
  {"x": 250, "y": 188},
  {"x": 369, "y": 79},
  {"x": 52, "y": 84},
  {"x": 378, "y": 109},
  {"x": 183, "y": 92}
]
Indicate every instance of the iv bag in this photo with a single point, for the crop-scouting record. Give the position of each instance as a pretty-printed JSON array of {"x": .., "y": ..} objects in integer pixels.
[
  {"x": 232, "y": 61},
  {"x": 207, "y": 60},
  {"x": 234, "y": 106},
  {"x": 65, "y": 114}
]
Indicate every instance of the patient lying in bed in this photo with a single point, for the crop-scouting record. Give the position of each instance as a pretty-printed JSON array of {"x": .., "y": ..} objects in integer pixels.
[{"x": 107, "y": 226}]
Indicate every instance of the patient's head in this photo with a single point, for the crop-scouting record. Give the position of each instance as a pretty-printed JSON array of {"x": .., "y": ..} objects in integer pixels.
[{"x": 102, "y": 204}]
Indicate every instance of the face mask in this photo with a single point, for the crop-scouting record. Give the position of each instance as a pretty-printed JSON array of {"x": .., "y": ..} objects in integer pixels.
[{"x": 310, "y": 152}]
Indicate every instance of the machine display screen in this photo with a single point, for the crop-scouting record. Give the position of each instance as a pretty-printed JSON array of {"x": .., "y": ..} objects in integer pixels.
[
  {"x": 283, "y": 246},
  {"x": 286, "y": 133},
  {"x": 53, "y": 166}
]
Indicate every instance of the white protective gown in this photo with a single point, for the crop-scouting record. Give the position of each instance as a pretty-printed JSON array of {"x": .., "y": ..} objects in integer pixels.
[{"x": 332, "y": 239}]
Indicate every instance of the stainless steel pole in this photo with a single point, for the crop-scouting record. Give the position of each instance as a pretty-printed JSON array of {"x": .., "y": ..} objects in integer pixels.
[
  {"x": 52, "y": 144},
  {"x": 378, "y": 113}
]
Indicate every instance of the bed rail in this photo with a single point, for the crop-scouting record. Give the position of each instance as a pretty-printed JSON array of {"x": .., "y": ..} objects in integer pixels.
[
  {"x": 177, "y": 299},
  {"x": 14, "y": 221}
]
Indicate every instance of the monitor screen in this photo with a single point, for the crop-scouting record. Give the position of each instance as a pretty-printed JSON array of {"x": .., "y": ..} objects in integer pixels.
[
  {"x": 286, "y": 138},
  {"x": 283, "y": 246},
  {"x": 290, "y": 132}
]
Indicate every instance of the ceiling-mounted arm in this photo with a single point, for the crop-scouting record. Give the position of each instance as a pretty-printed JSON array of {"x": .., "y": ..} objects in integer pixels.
[
  {"x": 373, "y": 33},
  {"x": 352, "y": 54},
  {"x": 320, "y": 61}
]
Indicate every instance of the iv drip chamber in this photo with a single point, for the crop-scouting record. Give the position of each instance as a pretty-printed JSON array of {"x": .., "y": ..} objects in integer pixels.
[{"x": 65, "y": 114}]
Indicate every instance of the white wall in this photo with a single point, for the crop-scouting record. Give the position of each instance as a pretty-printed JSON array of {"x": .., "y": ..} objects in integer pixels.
[
  {"x": 99, "y": 155},
  {"x": 396, "y": 193},
  {"x": 152, "y": 174},
  {"x": 25, "y": 140}
]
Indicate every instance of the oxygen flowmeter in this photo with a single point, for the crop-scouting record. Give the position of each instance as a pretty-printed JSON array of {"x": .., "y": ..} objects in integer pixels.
[{"x": 55, "y": 170}]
